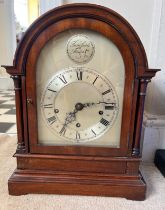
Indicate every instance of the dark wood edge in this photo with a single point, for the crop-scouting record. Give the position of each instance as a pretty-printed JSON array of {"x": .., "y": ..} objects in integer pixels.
[
  {"x": 149, "y": 73},
  {"x": 11, "y": 70},
  {"x": 133, "y": 117},
  {"x": 19, "y": 114},
  {"x": 139, "y": 116},
  {"x": 77, "y": 157},
  {"x": 24, "y": 112}
]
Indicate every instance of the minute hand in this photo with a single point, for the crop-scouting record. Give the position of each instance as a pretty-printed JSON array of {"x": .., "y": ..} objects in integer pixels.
[
  {"x": 100, "y": 102},
  {"x": 103, "y": 102}
]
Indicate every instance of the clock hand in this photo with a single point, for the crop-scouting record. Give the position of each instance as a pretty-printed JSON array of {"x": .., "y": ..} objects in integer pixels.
[
  {"x": 100, "y": 102},
  {"x": 80, "y": 106},
  {"x": 71, "y": 116}
]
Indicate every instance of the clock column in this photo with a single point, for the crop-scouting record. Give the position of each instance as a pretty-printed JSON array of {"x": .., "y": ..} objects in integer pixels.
[
  {"x": 140, "y": 104},
  {"x": 19, "y": 115}
]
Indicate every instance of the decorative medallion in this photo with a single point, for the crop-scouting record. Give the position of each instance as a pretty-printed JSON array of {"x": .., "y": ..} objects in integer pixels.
[{"x": 80, "y": 49}]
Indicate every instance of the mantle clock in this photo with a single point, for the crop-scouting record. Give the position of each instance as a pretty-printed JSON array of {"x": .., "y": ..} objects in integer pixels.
[{"x": 80, "y": 74}]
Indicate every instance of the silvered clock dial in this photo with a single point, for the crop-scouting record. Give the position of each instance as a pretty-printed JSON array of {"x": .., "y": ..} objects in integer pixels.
[{"x": 79, "y": 104}]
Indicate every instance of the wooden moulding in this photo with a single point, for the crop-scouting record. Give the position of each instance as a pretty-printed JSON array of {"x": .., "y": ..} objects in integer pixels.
[
  {"x": 78, "y": 163},
  {"x": 76, "y": 183},
  {"x": 67, "y": 175}
]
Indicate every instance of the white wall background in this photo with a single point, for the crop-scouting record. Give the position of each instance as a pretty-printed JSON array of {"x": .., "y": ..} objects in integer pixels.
[
  {"x": 134, "y": 12},
  {"x": 46, "y": 5},
  {"x": 21, "y": 12},
  {"x": 7, "y": 40},
  {"x": 148, "y": 19},
  {"x": 155, "y": 101}
]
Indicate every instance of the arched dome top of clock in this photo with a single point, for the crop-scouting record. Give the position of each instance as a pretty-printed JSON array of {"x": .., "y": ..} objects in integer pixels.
[{"x": 87, "y": 11}]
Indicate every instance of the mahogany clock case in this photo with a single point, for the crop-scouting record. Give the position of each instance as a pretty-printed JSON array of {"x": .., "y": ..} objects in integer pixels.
[{"x": 80, "y": 169}]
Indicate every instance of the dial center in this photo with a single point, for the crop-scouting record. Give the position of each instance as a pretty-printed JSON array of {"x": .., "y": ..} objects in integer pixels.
[
  {"x": 79, "y": 106},
  {"x": 72, "y": 98}
]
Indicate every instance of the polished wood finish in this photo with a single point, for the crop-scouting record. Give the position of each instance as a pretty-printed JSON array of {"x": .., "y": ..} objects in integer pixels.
[
  {"x": 101, "y": 184},
  {"x": 140, "y": 109},
  {"x": 69, "y": 169},
  {"x": 18, "y": 100}
]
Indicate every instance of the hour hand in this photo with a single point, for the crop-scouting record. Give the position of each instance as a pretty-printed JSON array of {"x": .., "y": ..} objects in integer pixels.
[
  {"x": 63, "y": 129},
  {"x": 70, "y": 117}
]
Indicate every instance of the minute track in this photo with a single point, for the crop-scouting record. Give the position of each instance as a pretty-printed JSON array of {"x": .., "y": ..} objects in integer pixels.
[
  {"x": 104, "y": 122},
  {"x": 62, "y": 78},
  {"x": 79, "y": 75},
  {"x": 52, "y": 90},
  {"x": 107, "y": 91}
]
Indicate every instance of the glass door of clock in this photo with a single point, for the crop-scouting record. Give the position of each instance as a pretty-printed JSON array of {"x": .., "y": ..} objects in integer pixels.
[{"x": 80, "y": 82}]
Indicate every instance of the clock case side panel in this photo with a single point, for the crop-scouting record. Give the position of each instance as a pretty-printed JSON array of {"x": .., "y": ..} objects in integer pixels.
[{"x": 27, "y": 178}]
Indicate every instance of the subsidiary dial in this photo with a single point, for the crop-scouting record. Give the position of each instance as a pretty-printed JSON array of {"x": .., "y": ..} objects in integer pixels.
[{"x": 79, "y": 104}]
